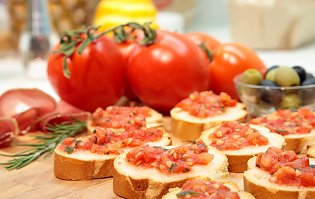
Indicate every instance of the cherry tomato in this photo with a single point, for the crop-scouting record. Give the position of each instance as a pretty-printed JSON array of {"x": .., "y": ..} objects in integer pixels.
[
  {"x": 199, "y": 38},
  {"x": 167, "y": 71},
  {"x": 97, "y": 75},
  {"x": 229, "y": 60}
]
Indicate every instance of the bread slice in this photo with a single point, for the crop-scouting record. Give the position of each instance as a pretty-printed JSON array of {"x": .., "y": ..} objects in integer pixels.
[
  {"x": 85, "y": 165},
  {"x": 256, "y": 182},
  {"x": 296, "y": 142},
  {"x": 188, "y": 127},
  {"x": 233, "y": 187},
  {"x": 299, "y": 142},
  {"x": 131, "y": 181},
  {"x": 154, "y": 119},
  {"x": 238, "y": 158}
]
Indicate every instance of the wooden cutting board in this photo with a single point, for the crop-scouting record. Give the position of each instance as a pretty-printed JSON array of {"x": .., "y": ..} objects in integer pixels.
[{"x": 37, "y": 180}]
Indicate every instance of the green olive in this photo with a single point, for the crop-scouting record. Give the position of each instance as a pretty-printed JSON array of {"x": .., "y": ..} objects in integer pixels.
[
  {"x": 286, "y": 76},
  {"x": 271, "y": 75},
  {"x": 290, "y": 101},
  {"x": 251, "y": 76}
]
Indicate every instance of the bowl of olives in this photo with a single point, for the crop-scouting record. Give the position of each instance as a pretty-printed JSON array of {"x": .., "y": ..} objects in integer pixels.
[{"x": 280, "y": 87}]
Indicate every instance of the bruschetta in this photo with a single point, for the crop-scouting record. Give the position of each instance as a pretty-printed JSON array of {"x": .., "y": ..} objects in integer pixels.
[
  {"x": 297, "y": 127},
  {"x": 90, "y": 157},
  {"x": 201, "y": 111},
  {"x": 149, "y": 172},
  {"x": 203, "y": 189},
  {"x": 240, "y": 141},
  {"x": 280, "y": 174},
  {"x": 120, "y": 117}
]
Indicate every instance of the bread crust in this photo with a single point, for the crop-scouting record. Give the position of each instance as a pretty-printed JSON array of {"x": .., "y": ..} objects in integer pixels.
[
  {"x": 78, "y": 167},
  {"x": 238, "y": 158},
  {"x": 256, "y": 182},
  {"x": 299, "y": 143},
  {"x": 311, "y": 151},
  {"x": 154, "y": 186},
  {"x": 66, "y": 168},
  {"x": 188, "y": 128},
  {"x": 129, "y": 187}
]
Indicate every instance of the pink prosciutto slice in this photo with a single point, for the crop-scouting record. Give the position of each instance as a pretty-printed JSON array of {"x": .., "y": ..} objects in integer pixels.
[
  {"x": 26, "y": 106},
  {"x": 8, "y": 128},
  {"x": 33, "y": 109},
  {"x": 16, "y": 101}
]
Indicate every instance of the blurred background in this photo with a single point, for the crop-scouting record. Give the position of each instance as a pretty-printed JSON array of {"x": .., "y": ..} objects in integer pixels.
[
  {"x": 282, "y": 31},
  {"x": 178, "y": 15}
]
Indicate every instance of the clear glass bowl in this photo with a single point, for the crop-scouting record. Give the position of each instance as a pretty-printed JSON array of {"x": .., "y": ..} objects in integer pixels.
[{"x": 261, "y": 100}]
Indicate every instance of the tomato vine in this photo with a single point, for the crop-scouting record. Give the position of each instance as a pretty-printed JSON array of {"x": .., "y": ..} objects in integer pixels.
[{"x": 82, "y": 38}]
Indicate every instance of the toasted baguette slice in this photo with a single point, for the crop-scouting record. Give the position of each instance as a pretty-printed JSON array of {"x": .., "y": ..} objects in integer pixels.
[
  {"x": 131, "y": 181},
  {"x": 296, "y": 142},
  {"x": 188, "y": 127},
  {"x": 299, "y": 142},
  {"x": 85, "y": 165},
  {"x": 238, "y": 158},
  {"x": 233, "y": 187},
  {"x": 256, "y": 182},
  {"x": 154, "y": 120}
]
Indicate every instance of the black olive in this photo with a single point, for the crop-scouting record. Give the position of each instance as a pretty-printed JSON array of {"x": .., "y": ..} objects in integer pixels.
[
  {"x": 272, "y": 96},
  {"x": 309, "y": 76},
  {"x": 268, "y": 83},
  {"x": 301, "y": 72},
  {"x": 309, "y": 81}
]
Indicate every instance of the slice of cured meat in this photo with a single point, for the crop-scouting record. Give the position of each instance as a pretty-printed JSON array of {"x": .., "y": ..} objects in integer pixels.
[
  {"x": 25, "y": 110},
  {"x": 8, "y": 128}
]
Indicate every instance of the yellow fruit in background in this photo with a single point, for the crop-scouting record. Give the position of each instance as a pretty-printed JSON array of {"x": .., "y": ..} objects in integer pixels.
[{"x": 111, "y": 13}]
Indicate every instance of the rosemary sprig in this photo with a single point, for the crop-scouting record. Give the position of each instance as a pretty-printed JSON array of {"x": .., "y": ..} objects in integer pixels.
[{"x": 46, "y": 144}]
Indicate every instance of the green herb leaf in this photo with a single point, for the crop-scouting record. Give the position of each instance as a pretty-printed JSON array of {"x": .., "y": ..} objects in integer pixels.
[
  {"x": 173, "y": 166},
  {"x": 186, "y": 193},
  {"x": 69, "y": 149},
  {"x": 46, "y": 144}
]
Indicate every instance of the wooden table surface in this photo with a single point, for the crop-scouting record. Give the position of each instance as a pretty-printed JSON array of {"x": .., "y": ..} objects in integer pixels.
[{"x": 37, "y": 180}]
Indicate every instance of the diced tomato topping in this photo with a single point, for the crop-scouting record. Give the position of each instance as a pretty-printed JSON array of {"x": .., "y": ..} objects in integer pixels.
[
  {"x": 285, "y": 122},
  {"x": 106, "y": 141},
  {"x": 234, "y": 135},
  {"x": 206, "y": 104},
  {"x": 201, "y": 189},
  {"x": 287, "y": 168},
  {"x": 120, "y": 116},
  {"x": 68, "y": 141},
  {"x": 176, "y": 160}
]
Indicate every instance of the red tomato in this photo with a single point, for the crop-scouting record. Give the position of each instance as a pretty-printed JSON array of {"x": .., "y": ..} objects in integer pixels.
[
  {"x": 167, "y": 71},
  {"x": 229, "y": 60},
  {"x": 199, "y": 38},
  {"x": 97, "y": 75},
  {"x": 126, "y": 50}
]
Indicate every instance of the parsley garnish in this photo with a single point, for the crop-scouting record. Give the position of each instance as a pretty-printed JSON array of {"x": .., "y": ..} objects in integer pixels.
[
  {"x": 69, "y": 149},
  {"x": 173, "y": 166}
]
